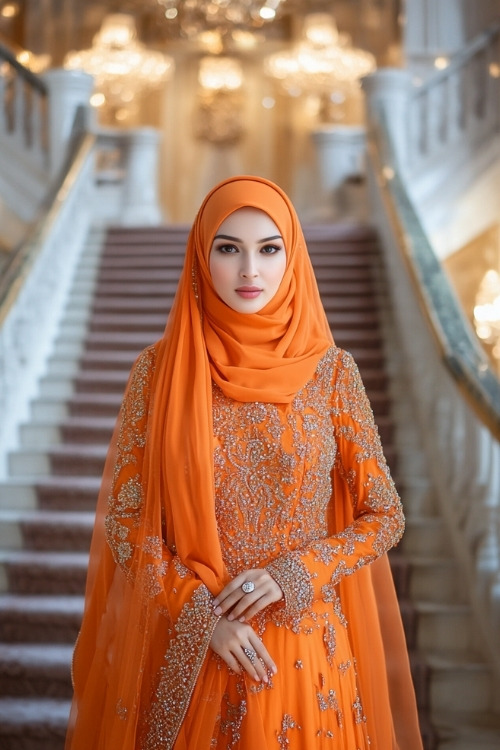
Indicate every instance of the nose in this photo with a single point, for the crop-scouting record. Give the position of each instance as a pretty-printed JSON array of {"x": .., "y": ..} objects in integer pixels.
[{"x": 249, "y": 267}]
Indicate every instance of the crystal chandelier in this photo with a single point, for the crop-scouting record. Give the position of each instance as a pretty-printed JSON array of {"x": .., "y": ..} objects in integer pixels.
[
  {"x": 322, "y": 63},
  {"x": 219, "y": 116},
  {"x": 192, "y": 17},
  {"x": 122, "y": 67}
]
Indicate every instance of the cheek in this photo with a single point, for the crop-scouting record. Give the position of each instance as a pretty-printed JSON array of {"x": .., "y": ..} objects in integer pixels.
[
  {"x": 220, "y": 272},
  {"x": 279, "y": 269}
]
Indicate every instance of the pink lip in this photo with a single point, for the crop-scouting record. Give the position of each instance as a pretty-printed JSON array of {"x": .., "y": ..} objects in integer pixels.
[{"x": 248, "y": 292}]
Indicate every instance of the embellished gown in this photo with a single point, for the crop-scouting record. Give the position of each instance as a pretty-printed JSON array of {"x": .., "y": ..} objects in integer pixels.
[
  {"x": 273, "y": 469},
  {"x": 302, "y": 489}
]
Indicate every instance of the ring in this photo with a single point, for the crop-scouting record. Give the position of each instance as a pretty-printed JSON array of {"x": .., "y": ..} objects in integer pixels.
[
  {"x": 250, "y": 654},
  {"x": 247, "y": 587}
]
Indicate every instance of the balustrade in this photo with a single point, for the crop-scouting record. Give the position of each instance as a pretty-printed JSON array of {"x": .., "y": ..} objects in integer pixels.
[
  {"x": 445, "y": 119},
  {"x": 454, "y": 386},
  {"x": 23, "y": 109}
]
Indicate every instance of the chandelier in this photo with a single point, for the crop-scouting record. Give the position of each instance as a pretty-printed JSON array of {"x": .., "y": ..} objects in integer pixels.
[
  {"x": 323, "y": 62},
  {"x": 122, "y": 67},
  {"x": 220, "y": 117},
  {"x": 192, "y": 17}
]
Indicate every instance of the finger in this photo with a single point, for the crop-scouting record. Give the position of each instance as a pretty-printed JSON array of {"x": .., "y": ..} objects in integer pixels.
[
  {"x": 229, "y": 602},
  {"x": 251, "y": 611},
  {"x": 248, "y": 658},
  {"x": 234, "y": 587},
  {"x": 243, "y": 603},
  {"x": 232, "y": 662},
  {"x": 264, "y": 656}
]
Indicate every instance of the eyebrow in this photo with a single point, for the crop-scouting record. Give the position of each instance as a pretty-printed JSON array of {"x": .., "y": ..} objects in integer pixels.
[{"x": 236, "y": 239}]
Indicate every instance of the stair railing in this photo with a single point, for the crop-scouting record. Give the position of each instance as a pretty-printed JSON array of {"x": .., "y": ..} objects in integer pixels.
[
  {"x": 453, "y": 382},
  {"x": 23, "y": 108},
  {"x": 456, "y": 108}
]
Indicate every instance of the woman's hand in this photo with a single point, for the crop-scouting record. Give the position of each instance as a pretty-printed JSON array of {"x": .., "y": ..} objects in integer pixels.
[
  {"x": 238, "y": 605},
  {"x": 242, "y": 649}
]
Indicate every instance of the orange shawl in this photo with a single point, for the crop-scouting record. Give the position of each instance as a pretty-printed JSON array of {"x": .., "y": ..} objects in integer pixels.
[{"x": 156, "y": 559}]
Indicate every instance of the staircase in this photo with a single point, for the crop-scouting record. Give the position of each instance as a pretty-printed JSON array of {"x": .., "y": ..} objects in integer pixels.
[{"x": 122, "y": 293}]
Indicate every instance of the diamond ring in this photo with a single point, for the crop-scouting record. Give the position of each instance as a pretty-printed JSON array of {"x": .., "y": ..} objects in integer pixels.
[
  {"x": 250, "y": 654},
  {"x": 247, "y": 587}
]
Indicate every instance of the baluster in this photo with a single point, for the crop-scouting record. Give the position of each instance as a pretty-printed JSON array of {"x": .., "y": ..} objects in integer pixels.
[
  {"x": 36, "y": 126},
  {"x": 3, "y": 118},
  {"x": 19, "y": 110}
]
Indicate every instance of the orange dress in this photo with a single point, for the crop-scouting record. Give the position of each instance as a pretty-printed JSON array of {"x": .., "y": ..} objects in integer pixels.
[
  {"x": 273, "y": 466},
  {"x": 302, "y": 489}
]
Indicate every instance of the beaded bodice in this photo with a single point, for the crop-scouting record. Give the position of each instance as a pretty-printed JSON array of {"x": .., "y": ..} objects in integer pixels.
[{"x": 272, "y": 471}]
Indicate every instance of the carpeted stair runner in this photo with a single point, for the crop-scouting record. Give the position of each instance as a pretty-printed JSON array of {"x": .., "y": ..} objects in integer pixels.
[{"x": 119, "y": 305}]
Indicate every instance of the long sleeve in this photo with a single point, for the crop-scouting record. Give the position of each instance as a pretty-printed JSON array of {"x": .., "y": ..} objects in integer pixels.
[
  {"x": 142, "y": 554},
  {"x": 306, "y": 575}
]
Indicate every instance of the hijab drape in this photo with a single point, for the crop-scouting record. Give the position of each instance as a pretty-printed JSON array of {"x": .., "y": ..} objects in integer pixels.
[{"x": 266, "y": 356}]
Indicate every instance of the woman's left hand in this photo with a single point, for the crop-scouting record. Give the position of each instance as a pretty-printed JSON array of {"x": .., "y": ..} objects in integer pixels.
[{"x": 239, "y": 605}]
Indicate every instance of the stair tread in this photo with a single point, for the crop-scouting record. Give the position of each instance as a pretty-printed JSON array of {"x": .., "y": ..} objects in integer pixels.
[
  {"x": 50, "y": 558},
  {"x": 41, "y": 603},
  {"x": 30, "y": 654}
]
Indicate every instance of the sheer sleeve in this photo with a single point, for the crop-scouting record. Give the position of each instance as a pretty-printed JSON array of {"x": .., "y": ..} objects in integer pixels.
[
  {"x": 375, "y": 509},
  {"x": 142, "y": 553}
]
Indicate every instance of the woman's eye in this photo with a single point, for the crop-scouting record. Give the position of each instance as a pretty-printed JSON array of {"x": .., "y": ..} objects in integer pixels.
[
  {"x": 270, "y": 249},
  {"x": 227, "y": 249}
]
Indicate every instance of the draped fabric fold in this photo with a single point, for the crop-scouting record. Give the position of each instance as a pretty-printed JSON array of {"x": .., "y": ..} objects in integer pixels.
[{"x": 156, "y": 558}]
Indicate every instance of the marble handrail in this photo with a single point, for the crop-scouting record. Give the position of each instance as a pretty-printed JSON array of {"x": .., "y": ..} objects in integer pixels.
[{"x": 455, "y": 388}]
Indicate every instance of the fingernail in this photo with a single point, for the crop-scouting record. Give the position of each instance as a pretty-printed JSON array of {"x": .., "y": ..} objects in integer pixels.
[
  {"x": 217, "y": 611},
  {"x": 215, "y": 602},
  {"x": 265, "y": 678},
  {"x": 256, "y": 677},
  {"x": 230, "y": 617},
  {"x": 275, "y": 669},
  {"x": 242, "y": 619}
]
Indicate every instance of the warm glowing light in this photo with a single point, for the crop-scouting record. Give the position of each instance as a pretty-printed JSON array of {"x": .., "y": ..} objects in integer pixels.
[
  {"x": 10, "y": 10},
  {"x": 97, "y": 100},
  {"x": 267, "y": 13},
  {"x": 268, "y": 102},
  {"x": 441, "y": 63},
  {"x": 121, "y": 66},
  {"x": 220, "y": 74},
  {"x": 494, "y": 70},
  {"x": 487, "y": 308}
]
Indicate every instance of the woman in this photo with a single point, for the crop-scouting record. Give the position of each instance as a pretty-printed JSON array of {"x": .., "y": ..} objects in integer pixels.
[{"x": 233, "y": 598}]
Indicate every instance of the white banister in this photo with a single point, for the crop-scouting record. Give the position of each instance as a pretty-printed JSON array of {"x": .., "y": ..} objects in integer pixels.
[
  {"x": 69, "y": 91},
  {"x": 439, "y": 122},
  {"x": 456, "y": 392}
]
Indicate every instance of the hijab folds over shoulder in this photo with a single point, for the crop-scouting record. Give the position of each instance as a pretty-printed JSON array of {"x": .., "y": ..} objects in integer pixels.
[{"x": 267, "y": 356}]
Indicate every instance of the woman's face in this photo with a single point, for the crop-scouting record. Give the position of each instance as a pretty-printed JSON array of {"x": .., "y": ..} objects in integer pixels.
[{"x": 247, "y": 260}]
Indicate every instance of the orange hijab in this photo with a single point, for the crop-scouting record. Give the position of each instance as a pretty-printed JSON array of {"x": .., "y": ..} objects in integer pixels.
[{"x": 266, "y": 356}]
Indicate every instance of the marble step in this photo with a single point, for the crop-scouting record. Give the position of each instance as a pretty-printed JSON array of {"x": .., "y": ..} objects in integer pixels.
[
  {"x": 57, "y": 460},
  {"x": 40, "y": 618},
  {"x": 460, "y": 681},
  {"x": 427, "y": 579},
  {"x": 443, "y": 627},
  {"x": 476, "y": 731},
  {"x": 32, "y": 669},
  {"x": 33, "y": 723},
  {"x": 34, "y": 572},
  {"x": 50, "y": 493},
  {"x": 425, "y": 536},
  {"x": 51, "y": 531},
  {"x": 70, "y": 430},
  {"x": 77, "y": 405}
]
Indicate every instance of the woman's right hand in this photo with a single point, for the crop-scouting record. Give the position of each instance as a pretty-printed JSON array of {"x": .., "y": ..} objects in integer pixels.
[{"x": 231, "y": 639}]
